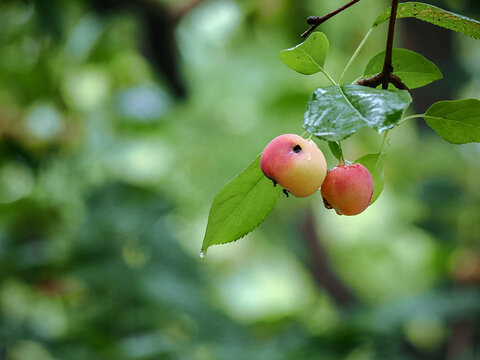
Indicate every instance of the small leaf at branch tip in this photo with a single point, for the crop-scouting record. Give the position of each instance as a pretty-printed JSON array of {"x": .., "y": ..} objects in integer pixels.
[{"x": 308, "y": 57}]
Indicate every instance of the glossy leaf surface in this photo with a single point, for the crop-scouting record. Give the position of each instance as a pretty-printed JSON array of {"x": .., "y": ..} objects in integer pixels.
[{"x": 336, "y": 112}]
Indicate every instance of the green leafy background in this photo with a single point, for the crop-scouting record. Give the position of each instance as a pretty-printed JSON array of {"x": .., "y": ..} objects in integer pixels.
[
  {"x": 107, "y": 179},
  {"x": 309, "y": 56}
]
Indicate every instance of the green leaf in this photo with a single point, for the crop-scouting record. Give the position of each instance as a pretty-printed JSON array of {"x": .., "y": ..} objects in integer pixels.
[
  {"x": 414, "y": 69},
  {"x": 374, "y": 163},
  {"x": 240, "y": 206},
  {"x": 436, "y": 16},
  {"x": 336, "y": 112},
  {"x": 308, "y": 57},
  {"x": 335, "y": 149},
  {"x": 456, "y": 121}
]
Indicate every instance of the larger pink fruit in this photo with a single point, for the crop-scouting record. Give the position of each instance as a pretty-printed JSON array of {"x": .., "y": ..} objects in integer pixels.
[
  {"x": 348, "y": 189},
  {"x": 295, "y": 163}
]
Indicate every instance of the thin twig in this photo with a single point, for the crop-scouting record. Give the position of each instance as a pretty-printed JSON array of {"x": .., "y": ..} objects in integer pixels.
[
  {"x": 316, "y": 21},
  {"x": 355, "y": 54}
]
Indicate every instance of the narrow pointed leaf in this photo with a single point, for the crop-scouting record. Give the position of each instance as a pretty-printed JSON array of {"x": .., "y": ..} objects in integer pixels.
[
  {"x": 240, "y": 206},
  {"x": 336, "y": 112},
  {"x": 456, "y": 121},
  {"x": 375, "y": 164},
  {"x": 413, "y": 69},
  {"x": 436, "y": 16},
  {"x": 308, "y": 57}
]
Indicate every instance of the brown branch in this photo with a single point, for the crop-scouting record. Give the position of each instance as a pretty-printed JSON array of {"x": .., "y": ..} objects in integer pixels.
[
  {"x": 321, "y": 269},
  {"x": 316, "y": 21},
  {"x": 372, "y": 82},
  {"x": 399, "y": 84},
  {"x": 376, "y": 80},
  {"x": 386, "y": 76},
  {"x": 387, "y": 63}
]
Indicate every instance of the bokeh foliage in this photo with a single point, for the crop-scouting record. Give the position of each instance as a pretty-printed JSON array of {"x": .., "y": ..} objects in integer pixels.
[{"x": 108, "y": 168}]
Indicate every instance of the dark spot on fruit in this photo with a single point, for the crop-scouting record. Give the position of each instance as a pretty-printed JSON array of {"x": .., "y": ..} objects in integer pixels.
[
  {"x": 297, "y": 148},
  {"x": 327, "y": 205},
  {"x": 273, "y": 180}
]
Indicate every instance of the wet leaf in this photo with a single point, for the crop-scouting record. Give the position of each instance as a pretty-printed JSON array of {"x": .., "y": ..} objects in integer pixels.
[{"x": 336, "y": 112}]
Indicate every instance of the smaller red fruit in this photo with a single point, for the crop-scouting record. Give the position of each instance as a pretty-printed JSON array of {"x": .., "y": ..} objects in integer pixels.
[{"x": 348, "y": 189}]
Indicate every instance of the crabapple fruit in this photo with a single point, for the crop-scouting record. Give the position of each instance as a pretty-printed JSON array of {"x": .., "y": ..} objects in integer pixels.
[
  {"x": 295, "y": 163},
  {"x": 348, "y": 189}
]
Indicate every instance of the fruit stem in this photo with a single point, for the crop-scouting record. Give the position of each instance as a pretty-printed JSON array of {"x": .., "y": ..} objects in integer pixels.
[
  {"x": 383, "y": 142},
  {"x": 328, "y": 77},
  {"x": 355, "y": 54},
  {"x": 415, "y": 116},
  {"x": 342, "y": 158},
  {"x": 381, "y": 150}
]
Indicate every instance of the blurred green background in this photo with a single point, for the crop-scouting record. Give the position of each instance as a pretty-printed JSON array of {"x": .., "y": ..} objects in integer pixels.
[{"x": 120, "y": 121}]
